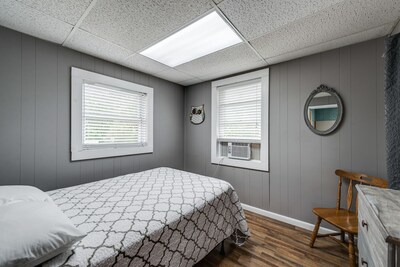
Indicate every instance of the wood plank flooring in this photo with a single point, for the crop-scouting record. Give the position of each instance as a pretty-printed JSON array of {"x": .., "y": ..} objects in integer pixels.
[{"x": 273, "y": 243}]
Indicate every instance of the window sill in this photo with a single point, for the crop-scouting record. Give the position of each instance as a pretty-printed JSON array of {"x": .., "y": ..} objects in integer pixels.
[
  {"x": 108, "y": 152},
  {"x": 246, "y": 164}
]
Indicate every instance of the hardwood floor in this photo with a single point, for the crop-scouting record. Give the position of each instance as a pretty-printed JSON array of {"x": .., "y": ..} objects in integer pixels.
[{"x": 273, "y": 243}]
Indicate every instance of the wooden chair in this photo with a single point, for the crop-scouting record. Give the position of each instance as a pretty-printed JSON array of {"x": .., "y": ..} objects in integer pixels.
[{"x": 345, "y": 219}]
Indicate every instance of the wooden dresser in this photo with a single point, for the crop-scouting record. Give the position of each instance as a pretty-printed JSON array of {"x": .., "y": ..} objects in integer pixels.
[{"x": 378, "y": 227}]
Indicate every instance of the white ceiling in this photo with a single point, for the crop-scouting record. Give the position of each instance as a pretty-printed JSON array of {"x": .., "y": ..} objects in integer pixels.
[{"x": 274, "y": 30}]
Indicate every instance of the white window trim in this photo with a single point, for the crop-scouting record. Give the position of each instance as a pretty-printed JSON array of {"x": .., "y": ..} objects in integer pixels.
[
  {"x": 78, "y": 76},
  {"x": 263, "y": 163}
]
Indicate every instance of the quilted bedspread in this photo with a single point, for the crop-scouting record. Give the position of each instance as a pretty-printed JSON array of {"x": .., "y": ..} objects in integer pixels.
[{"x": 159, "y": 217}]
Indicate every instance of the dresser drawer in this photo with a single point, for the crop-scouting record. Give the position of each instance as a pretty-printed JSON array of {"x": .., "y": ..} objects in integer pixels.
[
  {"x": 364, "y": 255},
  {"x": 370, "y": 234}
]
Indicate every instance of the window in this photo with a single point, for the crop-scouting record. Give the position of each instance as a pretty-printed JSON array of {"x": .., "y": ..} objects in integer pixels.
[
  {"x": 109, "y": 117},
  {"x": 240, "y": 121}
]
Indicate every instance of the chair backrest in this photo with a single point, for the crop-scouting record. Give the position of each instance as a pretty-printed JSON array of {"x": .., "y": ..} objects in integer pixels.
[{"x": 356, "y": 178}]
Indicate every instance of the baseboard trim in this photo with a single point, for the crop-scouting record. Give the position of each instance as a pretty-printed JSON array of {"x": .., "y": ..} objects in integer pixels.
[{"x": 286, "y": 219}]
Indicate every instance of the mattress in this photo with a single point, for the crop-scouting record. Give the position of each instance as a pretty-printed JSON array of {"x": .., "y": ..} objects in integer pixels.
[{"x": 159, "y": 217}]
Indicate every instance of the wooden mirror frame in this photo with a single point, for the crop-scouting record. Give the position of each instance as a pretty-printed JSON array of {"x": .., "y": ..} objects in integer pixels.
[{"x": 323, "y": 88}]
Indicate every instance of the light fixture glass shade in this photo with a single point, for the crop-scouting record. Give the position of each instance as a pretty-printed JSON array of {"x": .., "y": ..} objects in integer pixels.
[{"x": 205, "y": 36}]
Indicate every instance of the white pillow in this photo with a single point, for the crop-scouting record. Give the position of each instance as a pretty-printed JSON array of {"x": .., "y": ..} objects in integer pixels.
[
  {"x": 34, "y": 232},
  {"x": 16, "y": 193}
]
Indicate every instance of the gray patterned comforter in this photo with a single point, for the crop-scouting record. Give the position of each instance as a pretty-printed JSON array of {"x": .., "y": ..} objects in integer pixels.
[{"x": 159, "y": 217}]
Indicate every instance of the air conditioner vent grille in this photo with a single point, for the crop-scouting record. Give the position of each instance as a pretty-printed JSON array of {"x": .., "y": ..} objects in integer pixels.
[{"x": 239, "y": 151}]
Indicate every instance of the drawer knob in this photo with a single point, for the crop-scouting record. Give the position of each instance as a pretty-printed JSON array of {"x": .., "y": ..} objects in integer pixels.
[
  {"x": 364, "y": 262},
  {"x": 364, "y": 224}
]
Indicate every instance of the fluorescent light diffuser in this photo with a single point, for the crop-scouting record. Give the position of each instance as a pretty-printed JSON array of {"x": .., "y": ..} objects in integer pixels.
[{"x": 205, "y": 36}]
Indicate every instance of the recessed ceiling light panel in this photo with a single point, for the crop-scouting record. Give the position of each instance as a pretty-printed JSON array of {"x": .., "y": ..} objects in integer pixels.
[{"x": 205, "y": 36}]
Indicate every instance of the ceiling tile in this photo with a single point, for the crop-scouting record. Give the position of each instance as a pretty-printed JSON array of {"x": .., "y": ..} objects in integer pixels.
[
  {"x": 254, "y": 18},
  {"x": 341, "y": 20},
  {"x": 92, "y": 45},
  {"x": 22, "y": 18},
  {"x": 66, "y": 10},
  {"x": 340, "y": 42},
  {"x": 138, "y": 24},
  {"x": 242, "y": 68},
  {"x": 174, "y": 76},
  {"x": 229, "y": 60},
  {"x": 145, "y": 64}
]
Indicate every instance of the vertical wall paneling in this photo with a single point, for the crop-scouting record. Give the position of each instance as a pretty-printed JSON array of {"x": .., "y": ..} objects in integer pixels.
[
  {"x": 295, "y": 118},
  {"x": 283, "y": 130},
  {"x": 211, "y": 169},
  {"x": 310, "y": 79},
  {"x": 241, "y": 177},
  {"x": 195, "y": 134},
  {"x": 330, "y": 153},
  {"x": 344, "y": 90},
  {"x": 345, "y": 133},
  {"x": 302, "y": 164},
  {"x": 364, "y": 107},
  {"x": 265, "y": 190},
  {"x": 10, "y": 106},
  {"x": 68, "y": 173},
  {"x": 28, "y": 107},
  {"x": 172, "y": 108},
  {"x": 255, "y": 190},
  {"x": 35, "y": 93},
  {"x": 274, "y": 139},
  {"x": 224, "y": 172},
  {"x": 46, "y": 116}
]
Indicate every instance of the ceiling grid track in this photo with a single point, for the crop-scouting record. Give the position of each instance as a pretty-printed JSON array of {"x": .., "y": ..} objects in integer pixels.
[
  {"x": 78, "y": 24},
  {"x": 221, "y": 13}
]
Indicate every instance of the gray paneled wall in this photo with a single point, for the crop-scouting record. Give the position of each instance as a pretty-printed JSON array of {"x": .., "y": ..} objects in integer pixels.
[
  {"x": 35, "y": 116},
  {"x": 302, "y": 164}
]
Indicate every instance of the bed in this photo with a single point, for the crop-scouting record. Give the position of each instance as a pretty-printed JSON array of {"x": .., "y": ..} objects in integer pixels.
[{"x": 159, "y": 217}]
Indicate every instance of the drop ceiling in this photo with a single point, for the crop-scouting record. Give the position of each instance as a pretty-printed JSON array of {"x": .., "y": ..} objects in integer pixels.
[{"x": 273, "y": 30}]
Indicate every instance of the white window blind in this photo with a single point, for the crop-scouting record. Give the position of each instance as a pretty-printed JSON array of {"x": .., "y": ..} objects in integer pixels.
[
  {"x": 239, "y": 110},
  {"x": 112, "y": 116}
]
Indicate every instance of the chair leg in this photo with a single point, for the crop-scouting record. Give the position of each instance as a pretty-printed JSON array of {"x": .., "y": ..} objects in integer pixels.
[
  {"x": 342, "y": 236},
  {"x": 222, "y": 249},
  {"x": 315, "y": 232},
  {"x": 352, "y": 254}
]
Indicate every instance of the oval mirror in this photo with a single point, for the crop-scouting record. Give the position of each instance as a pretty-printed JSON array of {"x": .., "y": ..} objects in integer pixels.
[{"x": 323, "y": 110}]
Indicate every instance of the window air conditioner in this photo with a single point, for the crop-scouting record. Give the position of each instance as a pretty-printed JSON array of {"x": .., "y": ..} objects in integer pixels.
[{"x": 239, "y": 151}]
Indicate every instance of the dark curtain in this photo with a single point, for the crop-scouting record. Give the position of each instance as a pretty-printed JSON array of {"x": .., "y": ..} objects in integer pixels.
[{"x": 392, "y": 109}]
